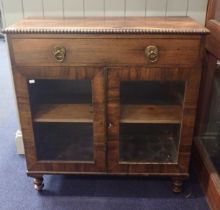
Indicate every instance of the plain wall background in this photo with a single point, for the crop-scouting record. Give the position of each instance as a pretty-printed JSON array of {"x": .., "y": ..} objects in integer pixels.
[{"x": 14, "y": 10}]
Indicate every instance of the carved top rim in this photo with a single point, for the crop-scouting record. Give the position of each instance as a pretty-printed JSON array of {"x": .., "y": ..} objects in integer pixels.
[{"x": 110, "y": 25}]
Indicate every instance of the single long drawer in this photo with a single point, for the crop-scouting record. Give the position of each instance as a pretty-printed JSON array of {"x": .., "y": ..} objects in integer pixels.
[{"x": 107, "y": 51}]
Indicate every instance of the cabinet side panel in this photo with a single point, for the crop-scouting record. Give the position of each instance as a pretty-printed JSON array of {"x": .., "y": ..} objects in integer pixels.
[
  {"x": 25, "y": 117},
  {"x": 189, "y": 114}
]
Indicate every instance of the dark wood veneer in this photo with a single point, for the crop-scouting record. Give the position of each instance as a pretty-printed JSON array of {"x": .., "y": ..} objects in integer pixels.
[
  {"x": 108, "y": 52},
  {"x": 207, "y": 174}
]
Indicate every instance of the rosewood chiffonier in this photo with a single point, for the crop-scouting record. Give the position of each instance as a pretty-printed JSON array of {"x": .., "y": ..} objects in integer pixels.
[{"x": 104, "y": 96}]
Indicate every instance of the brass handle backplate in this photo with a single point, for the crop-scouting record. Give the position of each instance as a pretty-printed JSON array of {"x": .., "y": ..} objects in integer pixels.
[
  {"x": 59, "y": 53},
  {"x": 152, "y": 53}
]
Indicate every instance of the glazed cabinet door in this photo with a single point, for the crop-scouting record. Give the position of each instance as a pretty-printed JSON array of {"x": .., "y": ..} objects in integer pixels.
[
  {"x": 151, "y": 115},
  {"x": 62, "y": 112}
]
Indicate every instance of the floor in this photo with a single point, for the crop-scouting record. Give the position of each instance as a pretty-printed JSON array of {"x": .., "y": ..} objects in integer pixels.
[{"x": 77, "y": 193}]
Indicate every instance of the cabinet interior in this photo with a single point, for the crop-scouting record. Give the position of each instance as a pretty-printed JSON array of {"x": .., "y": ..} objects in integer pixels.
[
  {"x": 62, "y": 119},
  {"x": 152, "y": 143},
  {"x": 61, "y": 100},
  {"x": 150, "y": 119},
  {"x": 64, "y": 141}
]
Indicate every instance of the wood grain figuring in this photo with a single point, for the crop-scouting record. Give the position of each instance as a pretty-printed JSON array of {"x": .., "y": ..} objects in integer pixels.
[
  {"x": 97, "y": 77},
  {"x": 25, "y": 118},
  {"x": 213, "y": 40},
  {"x": 129, "y": 113},
  {"x": 204, "y": 168},
  {"x": 116, "y": 75},
  {"x": 208, "y": 76},
  {"x": 121, "y": 51},
  {"x": 64, "y": 113},
  {"x": 151, "y": 114},
  {"x": 211, "y": 10},
  {"x": 207, "y": 175},
  {"x": 110, "y": 25},
  {"x": 212, "y": 44},
  {"x": 106, "y": 52}
]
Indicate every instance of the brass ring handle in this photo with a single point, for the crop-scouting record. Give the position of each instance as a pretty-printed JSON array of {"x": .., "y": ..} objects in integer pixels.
[
  {"x": 59, "y": 53},
  {"x": 152, "y": 53}
]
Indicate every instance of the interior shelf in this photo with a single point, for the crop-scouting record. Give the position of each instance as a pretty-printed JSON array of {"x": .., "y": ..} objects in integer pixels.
[
  {"x": 129, "y": 113},
  {"x": 151, "y": 114},
  {"x": 82, "y": 113}
]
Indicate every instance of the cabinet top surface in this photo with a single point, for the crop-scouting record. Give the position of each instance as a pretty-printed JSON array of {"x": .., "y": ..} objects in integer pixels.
[{"x": 108, "y": 25}]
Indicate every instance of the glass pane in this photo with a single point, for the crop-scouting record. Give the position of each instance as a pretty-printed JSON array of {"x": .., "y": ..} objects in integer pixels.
[
  {"x": 152, "y": 92},
  {"x": 62, "y": 114},
  {"x": 211, "y": 136},
  {"x": 60, "y": 91},
  {"x": 150, "y": 119},
  {"x": 149, "y": 143},
  {"x": 59, "y": 141}
]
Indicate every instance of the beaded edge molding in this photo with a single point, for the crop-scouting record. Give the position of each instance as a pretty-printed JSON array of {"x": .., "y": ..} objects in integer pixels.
[{"x": 100, "y": 31}]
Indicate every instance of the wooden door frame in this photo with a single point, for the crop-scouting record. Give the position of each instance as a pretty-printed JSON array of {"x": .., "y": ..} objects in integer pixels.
[
  {"x": 213, "y": 39},
  {"x": 212, "y": 53},
  {"x": 96, "y": 75},
  {"x": 204, "y": 168},
  {"x": 115, "y": 75},
  {"x": 210, "y": 14}
]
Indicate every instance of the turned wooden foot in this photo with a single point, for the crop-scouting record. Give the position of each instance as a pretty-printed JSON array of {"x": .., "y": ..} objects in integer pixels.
[
  {"x": 38, "y": 183},
  {"x": 177, "y": 184}
]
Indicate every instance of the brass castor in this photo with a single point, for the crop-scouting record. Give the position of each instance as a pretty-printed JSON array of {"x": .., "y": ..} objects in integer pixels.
[
  {"x": 177, "y": 184},
  {"x": 38, "y": 183}
]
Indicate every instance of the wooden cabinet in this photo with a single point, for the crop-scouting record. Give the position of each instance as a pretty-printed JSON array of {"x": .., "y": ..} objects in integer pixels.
[
  {"x": 107, "y": 96},
  {"x": 206, "y": 149},
  {"x": 151, "y": 115}
]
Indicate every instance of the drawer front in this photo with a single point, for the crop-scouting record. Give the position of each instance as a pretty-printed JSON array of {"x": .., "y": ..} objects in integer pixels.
[{"x": 107, "y": 51}]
